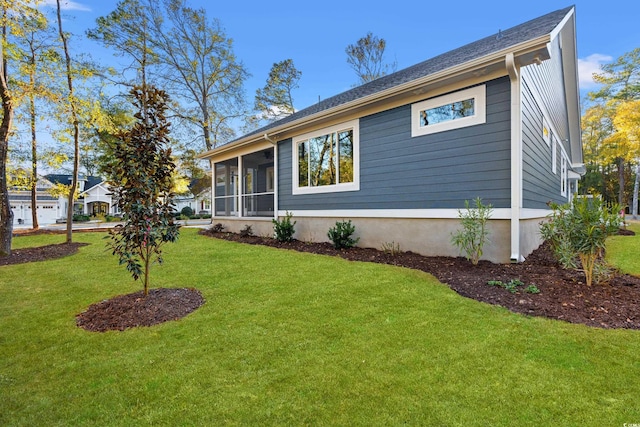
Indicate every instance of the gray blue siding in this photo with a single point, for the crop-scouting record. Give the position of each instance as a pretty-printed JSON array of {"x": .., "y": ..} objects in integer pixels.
[
  {"x": 433, "y": 171},
  {"x": 543, "y": 83}
]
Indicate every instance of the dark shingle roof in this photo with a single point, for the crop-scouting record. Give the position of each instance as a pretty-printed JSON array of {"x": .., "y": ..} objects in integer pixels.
[
  {"x": 513, "y": 36},
  {"x": 90, "y": 181}
]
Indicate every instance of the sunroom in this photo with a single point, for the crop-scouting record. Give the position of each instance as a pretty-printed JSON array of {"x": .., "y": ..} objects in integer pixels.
[{"x": 245, "y": 186}]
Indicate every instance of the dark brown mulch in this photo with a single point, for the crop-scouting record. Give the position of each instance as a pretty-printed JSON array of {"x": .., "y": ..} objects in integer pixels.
[
  {"x": 132, "y": 310},
  {"x": 563, "y": 293},
  {"x": 42, "y": 253}
]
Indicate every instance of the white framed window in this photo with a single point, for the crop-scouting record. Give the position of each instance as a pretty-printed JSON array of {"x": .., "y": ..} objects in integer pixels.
[
  {"x": 327, "y": 160},
  {"x": 554, "y": 154},
  {"x": 452, "y": 111},
  {"x": 563, "y": 176},
  {"x": 546, "y": 131}
]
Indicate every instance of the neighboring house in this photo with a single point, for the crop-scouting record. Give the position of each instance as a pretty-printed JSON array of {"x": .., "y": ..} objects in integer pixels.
[
  {"x": 48, "y": 207},
  {"x": 199, "y": 203},
  {"x": 94, "y": 195},
  {"x": 497, "y": 119}
]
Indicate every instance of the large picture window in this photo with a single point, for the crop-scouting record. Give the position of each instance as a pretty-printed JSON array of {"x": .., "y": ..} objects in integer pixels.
[
  {"x": 455, "y": 110},
  {"x": 327, "y": 160}
]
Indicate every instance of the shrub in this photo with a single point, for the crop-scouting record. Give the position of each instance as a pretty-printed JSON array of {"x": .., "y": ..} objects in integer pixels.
[
  {"x": 187, "y": 211},
  {"x": 578, "y": 231},
  {"x": 283, "y": 230},
  {"x": 81, "y": 218},
  {"x": 218, "y": 228},
  {"x": 473, "y": 236},
  {"x": 340, "y": 235},
  {"x": 391, "y": 248},
  {"x": 247, "y": 231}
]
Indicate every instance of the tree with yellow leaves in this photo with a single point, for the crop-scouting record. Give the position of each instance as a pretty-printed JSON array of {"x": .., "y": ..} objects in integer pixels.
[{"x": 627, "y": 124}]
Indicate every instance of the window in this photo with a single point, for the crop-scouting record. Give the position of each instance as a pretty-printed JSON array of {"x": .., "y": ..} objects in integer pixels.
[
  {"x": 554, "y": 154},
  {"x": 546, "y": 131},
  {"x": 455, "y": 110},
  {"x": 327, "y": 160},
  {"x": 563, "y": 176}
]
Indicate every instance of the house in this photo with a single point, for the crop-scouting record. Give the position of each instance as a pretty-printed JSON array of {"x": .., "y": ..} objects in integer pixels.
[
  {"x": 48, "y": 207},
  {"x": 498, "y": 119},
  {"x": 200, "y": 202},
  {"x": 94, "y": 195}
]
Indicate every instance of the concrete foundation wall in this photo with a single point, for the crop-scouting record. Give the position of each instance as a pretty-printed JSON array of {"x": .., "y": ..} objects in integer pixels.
[
  {"x": 431, "y": 237},
  {"x": 530, "y": 237}
]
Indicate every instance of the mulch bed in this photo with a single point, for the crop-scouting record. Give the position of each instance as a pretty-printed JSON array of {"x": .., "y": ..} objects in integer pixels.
[
  {"x": 563, "y": 293},
  {"x": 41, "y": 253},
  {"x": 133, "y": 310}
]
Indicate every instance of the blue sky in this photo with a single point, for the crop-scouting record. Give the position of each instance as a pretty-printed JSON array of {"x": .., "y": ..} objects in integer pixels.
[{"x": 315, "y": 34}]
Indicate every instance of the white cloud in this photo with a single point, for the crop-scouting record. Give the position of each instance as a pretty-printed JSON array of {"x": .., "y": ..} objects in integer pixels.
[
  {"x": 67, "y": 5},
  {"x": 588, "y": 66}
]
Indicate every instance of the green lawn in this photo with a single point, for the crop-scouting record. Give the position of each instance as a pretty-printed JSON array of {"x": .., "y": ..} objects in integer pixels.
[{"x": 287, "y": 338}]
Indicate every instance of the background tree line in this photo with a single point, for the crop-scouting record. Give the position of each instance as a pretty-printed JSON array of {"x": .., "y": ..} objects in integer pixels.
[
  {"x": 611, "y": 133},
  {"x": 62, "y": 109}
]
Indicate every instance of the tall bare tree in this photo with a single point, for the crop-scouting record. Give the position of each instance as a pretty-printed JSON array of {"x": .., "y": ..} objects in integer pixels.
[
  {"x": 74, "y": 122},
  {"x": 366, "y": 57},
  {"x": 200, "y": 69},
  {"x": 275, "y": 100}
]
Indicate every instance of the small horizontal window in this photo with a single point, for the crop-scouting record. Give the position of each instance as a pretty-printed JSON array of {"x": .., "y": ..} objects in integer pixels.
[{"x": 455, "y": 110}]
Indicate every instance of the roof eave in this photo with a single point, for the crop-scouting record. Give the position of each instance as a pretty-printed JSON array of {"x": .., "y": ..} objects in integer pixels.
[{"x": 520, "y": 51}]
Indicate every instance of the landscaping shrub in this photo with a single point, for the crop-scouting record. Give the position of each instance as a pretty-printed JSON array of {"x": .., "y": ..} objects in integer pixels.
[
  {"x": 246, "y": 231},
  {"x": 578, "y": 231},
  {"x": 283, "y": 230},
  {"x": 473, "y": 236},
  {"x": 187, "y": 211},
  {"x": 217, "y": 228},
  {"x": 81, "y": 218},
  {"x": 340, "y": 235}
]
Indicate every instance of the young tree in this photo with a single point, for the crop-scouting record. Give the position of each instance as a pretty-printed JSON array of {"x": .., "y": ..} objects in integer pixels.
[
  {"x": 141, "y": 175},
  {"x": 366, "y": 57},
  {"x": 275, "y": 100}
]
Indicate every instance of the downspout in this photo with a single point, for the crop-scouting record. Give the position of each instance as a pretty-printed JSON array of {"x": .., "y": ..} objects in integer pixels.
[
  {"x": 275, "y": 175},
  {"x": 516, "y": 156}
]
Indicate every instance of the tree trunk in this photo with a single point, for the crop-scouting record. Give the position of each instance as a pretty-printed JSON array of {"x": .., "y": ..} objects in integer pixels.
[
  {"x": 34, "y": 165},
  {"x": 76, "y": 131},
  {"x": 636, "y": 185},
  {"x": 6, "y": 214},
  {"x": 621, "y": 200}
]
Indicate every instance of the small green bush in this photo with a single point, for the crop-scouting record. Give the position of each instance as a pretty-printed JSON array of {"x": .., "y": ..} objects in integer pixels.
[
  {"x": 391, "y": 248},
  {"x": 340, "y": 235},
  {"x": 247, "y": 231},
  {"x": 81, "y": 218},
  {"x": 578, "y": 231},
  {"x": 473, "y": 236},
  {"x": 218, "y": 228},
  {"x": 513, "y": 284},
  {"x": 283, "y": 230},
  {"x": 187, "y": 211}
]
